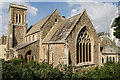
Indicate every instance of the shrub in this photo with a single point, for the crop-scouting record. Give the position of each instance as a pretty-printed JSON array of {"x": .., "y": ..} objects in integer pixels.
[{"x": 17, "y": 69}]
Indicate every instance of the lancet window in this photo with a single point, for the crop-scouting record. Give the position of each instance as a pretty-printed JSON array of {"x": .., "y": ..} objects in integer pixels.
[{"x": 83, "y": 47}]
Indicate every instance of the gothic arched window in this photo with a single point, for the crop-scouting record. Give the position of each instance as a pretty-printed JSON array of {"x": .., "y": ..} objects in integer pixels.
[
  {"x": 83, "y": 46},
  {"x": 113, "y": 59},
  {"x": 16, "y": 18},
  {"x": 107, "y": 59},
  {"x": 19, "y": 18},
  {"x": 102, "y": 60}
]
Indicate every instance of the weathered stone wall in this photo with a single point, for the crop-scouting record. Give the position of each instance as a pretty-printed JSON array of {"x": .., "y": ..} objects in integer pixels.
[
  {"x": 108, "y": 46},
  {"x": 50, "y": 23},
  {"x": 32, "y": 37},
  {"x": 72, "y": 38},
  {"x": 19, "y": 29},
  {"x": 16, "y": 31},
  {"x": 18, "y": 36},
  {"x": 55, "y": 53},
  {"x": 34, "y": 47}
]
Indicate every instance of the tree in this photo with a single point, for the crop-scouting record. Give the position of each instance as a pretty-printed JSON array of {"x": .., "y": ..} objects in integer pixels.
[{"x": 117, "y": 27}]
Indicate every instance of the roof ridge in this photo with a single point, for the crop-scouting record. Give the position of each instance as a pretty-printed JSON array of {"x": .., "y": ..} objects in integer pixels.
[
  {"x": 50, "y": 16},
  {"x": 44, "y": 22},
  {"x": 79, "y": 16},
  {"x": 112, "y": 42}
]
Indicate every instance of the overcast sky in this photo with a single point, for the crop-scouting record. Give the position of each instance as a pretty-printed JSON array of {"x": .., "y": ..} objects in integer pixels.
[{"x": 100, "y": 13}]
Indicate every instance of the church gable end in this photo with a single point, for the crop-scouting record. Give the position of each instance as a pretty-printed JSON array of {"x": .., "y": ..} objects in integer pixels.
[
  {"x": 52, "y": 21},
  {"x": 88, "y": 33},
  {"x": 44, "y": 25},
  {"x": 68, "y": 32}
]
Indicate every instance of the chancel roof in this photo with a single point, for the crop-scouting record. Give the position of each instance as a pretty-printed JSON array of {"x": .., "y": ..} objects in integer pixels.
[
  {"x": 61, "y": 30},
  {"x": 38, "y": 25},
  {"x": 20, "y": 46},
  {"x": 108, "y": 45}
]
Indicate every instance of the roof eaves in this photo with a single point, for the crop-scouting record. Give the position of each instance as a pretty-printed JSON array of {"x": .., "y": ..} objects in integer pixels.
[{"x": 25, "y": 45}]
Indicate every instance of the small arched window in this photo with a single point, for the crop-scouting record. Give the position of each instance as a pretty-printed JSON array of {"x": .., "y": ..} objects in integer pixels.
[
  {"x": 113, "y": 59},
  {"x": 33, "y": 37},
  {"x": 110, "y": 59},
  {"x": 16, "y": 18},
  {"x": 56, "y": 20},
  {"x": 19, "y": 18},
  {"x": 102, "y": 60},
  {"x": 107, "y": 59},
  {"x": 84, "y": 47}
]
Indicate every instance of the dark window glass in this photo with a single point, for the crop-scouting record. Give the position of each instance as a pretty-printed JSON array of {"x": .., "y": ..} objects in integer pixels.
[
  {"x": 16, "y": 18},
  {"x": 19, "y": 18}
]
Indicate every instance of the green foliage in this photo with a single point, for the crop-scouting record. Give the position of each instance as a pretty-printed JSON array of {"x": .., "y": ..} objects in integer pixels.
[
  {"x": 117, "y": 29},
  {"x": 110, "y": 70},
  {"x": 17, "y": 69}
]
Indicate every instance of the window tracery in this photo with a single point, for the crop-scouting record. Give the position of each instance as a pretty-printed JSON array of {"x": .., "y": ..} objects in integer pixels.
[{"x": 83, "y": 47}]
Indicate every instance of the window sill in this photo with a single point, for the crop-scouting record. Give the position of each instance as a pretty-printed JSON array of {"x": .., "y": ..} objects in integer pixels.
[{"x": 85, "y": 64}]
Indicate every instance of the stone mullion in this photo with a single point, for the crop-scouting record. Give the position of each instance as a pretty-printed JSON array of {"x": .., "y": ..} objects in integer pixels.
[
  {"x": 34, "y": 57},
  {"x": 82, "y": 51},
  {"x": 18, "y": 18},
  {"x": 85, "y": 51},
  {"x": 88, "y": 51},
  {"x": 79, "y": 52},
  {"x": 21, "y": 19}
]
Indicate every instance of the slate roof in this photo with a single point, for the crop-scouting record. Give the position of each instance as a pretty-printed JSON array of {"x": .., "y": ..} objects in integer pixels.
[
  {"x": 19, "y": 46},
  {"x": 38, "y": 25},
  {"x": 106, "y": 42},
  {"x": 61, "y": 30}
]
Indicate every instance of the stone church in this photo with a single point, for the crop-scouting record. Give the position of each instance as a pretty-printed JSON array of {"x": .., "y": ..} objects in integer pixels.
[{"x": 54, "y": 39}]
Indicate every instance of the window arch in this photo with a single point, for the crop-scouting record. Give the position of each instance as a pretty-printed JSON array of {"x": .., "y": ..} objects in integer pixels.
[
  {"x": 113, "y": 59},
  {"x": 29, "y": 56},
  {"x": 107, "y": 59},
  {"x": 16, "y": 18},
  {"x": 110, "y": 59},
  {"x": 102, "y": 60},
  {"x": 83, "y": 46},
  {"x": 19, "y": 18},
  {"x": 56, "y": 20}
]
